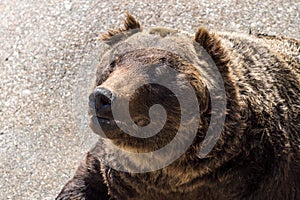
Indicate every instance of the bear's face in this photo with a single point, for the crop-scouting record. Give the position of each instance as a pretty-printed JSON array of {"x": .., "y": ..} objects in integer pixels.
[
  {"x": 160, "y": 96},
  {"x": 135, "y": 77}
]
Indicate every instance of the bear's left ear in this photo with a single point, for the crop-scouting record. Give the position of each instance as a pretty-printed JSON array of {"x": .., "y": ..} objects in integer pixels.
[{"x": 131, "y": 26}]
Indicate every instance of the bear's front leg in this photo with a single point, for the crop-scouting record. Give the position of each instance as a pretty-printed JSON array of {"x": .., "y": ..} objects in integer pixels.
[{"x": 87, "y": 183}]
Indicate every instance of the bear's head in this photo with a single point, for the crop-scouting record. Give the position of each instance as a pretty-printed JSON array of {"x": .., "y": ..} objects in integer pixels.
[{"x": 152, "y": 84}]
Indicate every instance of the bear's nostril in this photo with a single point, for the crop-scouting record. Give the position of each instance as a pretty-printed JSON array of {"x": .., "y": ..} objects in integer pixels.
[{"x": 102, "y": 102}]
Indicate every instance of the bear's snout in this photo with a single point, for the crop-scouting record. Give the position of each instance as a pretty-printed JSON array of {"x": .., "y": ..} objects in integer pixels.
[{"x": 100, "y": 102}]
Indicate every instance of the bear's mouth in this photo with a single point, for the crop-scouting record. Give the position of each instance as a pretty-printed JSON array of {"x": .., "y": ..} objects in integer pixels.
[
  {"x": 108, "y": 121},
  {"x": 101, "y": 125},
  {"x": 103, "y": 120}
]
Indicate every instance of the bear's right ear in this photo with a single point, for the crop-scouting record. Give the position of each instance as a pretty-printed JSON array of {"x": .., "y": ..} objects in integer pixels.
[
  {"x": 131, "y": 26},
  {"x": 212, "y": 44}
]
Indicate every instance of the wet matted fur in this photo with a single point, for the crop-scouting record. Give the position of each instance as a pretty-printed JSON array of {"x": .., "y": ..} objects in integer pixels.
[{"x": 257, "y": 155}]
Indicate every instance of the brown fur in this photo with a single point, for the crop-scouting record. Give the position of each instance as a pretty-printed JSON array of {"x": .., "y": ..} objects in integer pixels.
[
  {"x": 130, "y": 23},
  {"x": 257, "y": 155}
]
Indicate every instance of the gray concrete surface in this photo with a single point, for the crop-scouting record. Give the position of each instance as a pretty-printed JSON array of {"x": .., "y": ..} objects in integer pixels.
[{"x": 48, "y": 52}]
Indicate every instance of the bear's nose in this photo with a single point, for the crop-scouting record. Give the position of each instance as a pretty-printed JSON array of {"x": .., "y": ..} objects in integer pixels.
[{"x": 101, "y": 99}]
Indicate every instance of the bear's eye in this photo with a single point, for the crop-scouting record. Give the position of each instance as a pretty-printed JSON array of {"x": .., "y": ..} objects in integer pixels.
[{"x": 105, "y": 73}]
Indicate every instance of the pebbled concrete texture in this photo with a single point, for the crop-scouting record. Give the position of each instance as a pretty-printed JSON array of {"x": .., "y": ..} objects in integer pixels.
[{"x": 48, "y": 54}]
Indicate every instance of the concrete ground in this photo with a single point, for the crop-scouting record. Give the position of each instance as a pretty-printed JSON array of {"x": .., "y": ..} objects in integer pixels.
[{"x": 48, "y": 54}]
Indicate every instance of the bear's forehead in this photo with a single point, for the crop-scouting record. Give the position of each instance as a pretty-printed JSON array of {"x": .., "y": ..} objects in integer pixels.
[
  {"x": 172, "y": 40},
  {"x": 153, "y": 43}
]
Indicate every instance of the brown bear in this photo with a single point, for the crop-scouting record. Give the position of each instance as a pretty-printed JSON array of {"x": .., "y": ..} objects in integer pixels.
[{"x": 256, "y": 152}]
